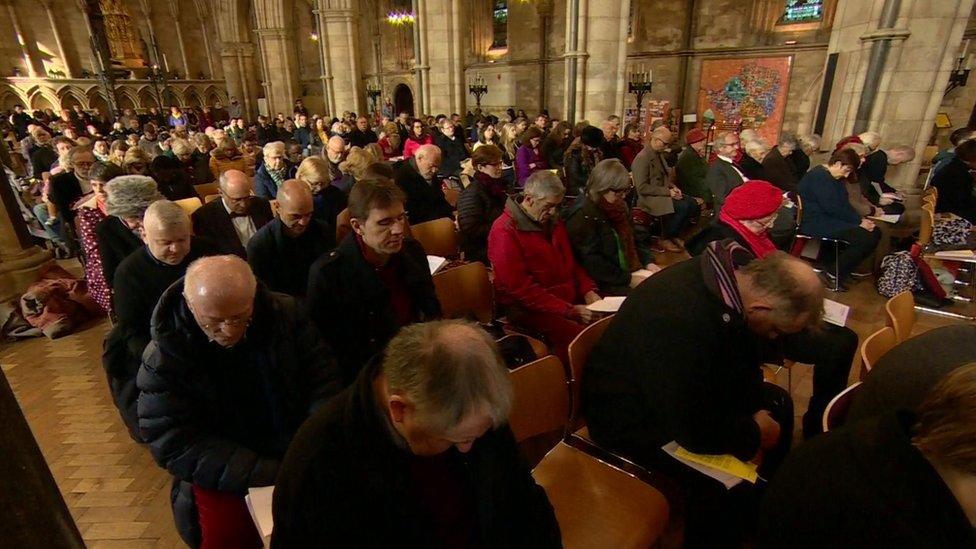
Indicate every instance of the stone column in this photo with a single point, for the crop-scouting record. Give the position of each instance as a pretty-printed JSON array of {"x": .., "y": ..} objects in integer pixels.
[
  {"x": 328, "y": 94},
  {"x": 925, "y": 41},
  {"x": 443, "y": 64},
  {"x": 34, "y": 66},
  {"x": 340, "y": 27},
  {"x": 20, "y": 259},
  {"x": 202, "y": 13},
  {"x": 278, "y": 56},
  {"x": 174, "y": 8},
  {"x": 603, "y": 39},
  {"x": 58, "y": 41},
  {"x": 237, "y": 59}
]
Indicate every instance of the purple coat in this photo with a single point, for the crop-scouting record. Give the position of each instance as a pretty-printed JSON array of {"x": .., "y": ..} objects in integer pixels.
[{"x": 527, "y": 162}]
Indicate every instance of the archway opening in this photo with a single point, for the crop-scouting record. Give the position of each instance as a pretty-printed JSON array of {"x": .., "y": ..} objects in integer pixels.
[{"x": 403, "y": 99}]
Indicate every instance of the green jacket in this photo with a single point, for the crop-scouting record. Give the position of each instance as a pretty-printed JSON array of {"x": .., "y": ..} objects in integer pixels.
[{"x": 691, "y": 175}]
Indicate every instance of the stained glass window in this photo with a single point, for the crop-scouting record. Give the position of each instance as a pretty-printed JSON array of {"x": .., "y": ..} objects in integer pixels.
[
  {"x": 500, "y": 24},
  {"x": 802, "y": 11}
]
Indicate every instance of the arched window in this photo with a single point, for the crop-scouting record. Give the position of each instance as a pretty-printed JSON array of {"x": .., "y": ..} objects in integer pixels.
[
  {"x": 500, "y": 24},
  {"x": 802, "y": 11}
]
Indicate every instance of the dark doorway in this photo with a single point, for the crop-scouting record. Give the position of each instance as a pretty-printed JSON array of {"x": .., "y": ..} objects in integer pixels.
[{"x": 403, "y": 99}]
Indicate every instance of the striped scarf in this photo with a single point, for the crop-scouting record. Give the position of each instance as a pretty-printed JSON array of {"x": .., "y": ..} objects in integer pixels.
[{"x": 719, "y": 263}]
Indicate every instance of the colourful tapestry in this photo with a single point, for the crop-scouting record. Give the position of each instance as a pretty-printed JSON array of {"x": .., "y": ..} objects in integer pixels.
[{"x": 750, "y": 93}]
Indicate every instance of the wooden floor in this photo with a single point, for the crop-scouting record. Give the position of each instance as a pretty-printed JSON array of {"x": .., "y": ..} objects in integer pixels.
[{"x": 117, "y": 494}]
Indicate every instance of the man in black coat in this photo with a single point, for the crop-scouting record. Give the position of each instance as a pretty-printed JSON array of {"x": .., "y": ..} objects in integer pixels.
[
  {"x": 388, "y": 462},
  {"x": 231, "y": 373},
  {"x": 723, "y": 175},
  {"x": 139, "y": 281},
  {"x": 902, "y": 479},
  {"x": 681, "y": 361},
  {"x": 233, "y": 220},
  {"x": 283, "y": 251},
  {"x": 417, "y": 177},
  {"x": 67, "y": 187},
  {"x": 374, "y": 283},
  {"x": 955, "y": 183},
  {"x": 43, "y": 155},
  {"x": 362, "y": 135},
  {"x": 453, "y": 150}
]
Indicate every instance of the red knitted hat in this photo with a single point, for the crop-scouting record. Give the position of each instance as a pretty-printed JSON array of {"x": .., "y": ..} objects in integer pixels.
[
  {"x": 694, "y": 135},
  {"x": 753, "y": 199}
]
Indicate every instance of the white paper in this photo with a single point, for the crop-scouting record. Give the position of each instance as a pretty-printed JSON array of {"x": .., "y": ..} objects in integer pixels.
[
  {"x": 643, "y": 273},
  {"x": 259, "y": 505},
  {"x": 607, "y": 305},
  {"x": 835, "y": 313},
  {"x": 887, "y": 218},
  {"x": 727, "y": 480},
  {"x": 435, "y": 262},
  {"x": 891, "y": 196},
  {"x": 956, "y": 254},
  {"x": 689, "y": 118}
]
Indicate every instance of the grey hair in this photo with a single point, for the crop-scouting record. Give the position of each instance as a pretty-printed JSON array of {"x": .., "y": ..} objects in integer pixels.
[
  {"x": 789, "y": 140},
  {"x": 274, "y": 146},
  {"x": 448, "y": 369},
  {"x": 756, "y": 145},
  {"x": 722, "y": 138},
  {"x": 544, "y": 184},
  {"x": 609, "y": 174},
  {"x": 776, "y": 275},
  {"x": 870, "y": 139},
  {"x": 810, "y": 142},
  {"x": 181, "y": 147},
  {"x": 168, "y": 215},
  {"x": 130, "y": 195}
]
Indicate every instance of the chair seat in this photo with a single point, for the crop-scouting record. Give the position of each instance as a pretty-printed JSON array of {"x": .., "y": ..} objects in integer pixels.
[{"x": 597, "y": 505}]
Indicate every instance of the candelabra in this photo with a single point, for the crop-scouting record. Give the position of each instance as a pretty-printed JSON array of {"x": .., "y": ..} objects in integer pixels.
[
  {"x": 641, "y": 83},
  {"x": 478, "y": 88},
  {"x": 374, "y": 92}
]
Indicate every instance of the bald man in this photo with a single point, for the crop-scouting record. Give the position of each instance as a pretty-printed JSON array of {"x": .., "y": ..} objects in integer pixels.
[
  {"x": 698, "y": 380},
  {"x": 417, "y": 178},
  {"x": 233, "y": 220},
  {"x": 282, "y": 252},
  {"x": 232, "y": 371},
  {"x": 657, "y": 196},
  {"x": 139, "y": 281}
]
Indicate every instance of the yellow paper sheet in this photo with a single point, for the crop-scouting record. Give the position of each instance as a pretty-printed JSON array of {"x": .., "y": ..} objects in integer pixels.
[{"x": 724, "y": 462}]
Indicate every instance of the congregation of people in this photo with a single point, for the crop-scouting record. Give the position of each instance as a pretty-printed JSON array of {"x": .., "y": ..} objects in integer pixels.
[{"x": 285, "y": 329}]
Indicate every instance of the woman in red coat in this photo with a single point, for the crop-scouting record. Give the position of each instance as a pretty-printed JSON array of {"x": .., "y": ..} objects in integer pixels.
[
  {"x": 417, "y": 138},
  {"x": 537, "y": 278}
]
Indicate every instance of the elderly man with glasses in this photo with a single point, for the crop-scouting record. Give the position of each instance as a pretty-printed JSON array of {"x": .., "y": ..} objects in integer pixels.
[
  {"x": 231, "y": 221},
  {"x": 232, "y": 371},
  {"x": 537, "y": 278},
  {"x": 724, "y": 174}
]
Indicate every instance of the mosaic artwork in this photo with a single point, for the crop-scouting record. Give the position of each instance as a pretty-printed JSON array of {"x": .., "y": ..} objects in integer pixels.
[{"x": 746, "y": 93}]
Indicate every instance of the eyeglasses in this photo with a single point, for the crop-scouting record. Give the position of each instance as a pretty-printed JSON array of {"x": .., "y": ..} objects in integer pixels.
[{"x": 214, "y": 325}]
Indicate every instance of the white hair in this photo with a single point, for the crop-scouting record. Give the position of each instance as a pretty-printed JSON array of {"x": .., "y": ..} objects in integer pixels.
[
  {"x": 273, "y": 146},
  {"x": 544, "y": 184},
  {"x": 167, "y": 214}
]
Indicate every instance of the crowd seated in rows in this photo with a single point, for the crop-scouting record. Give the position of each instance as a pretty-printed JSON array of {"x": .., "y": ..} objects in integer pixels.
[{"x": 231, "y": 221}]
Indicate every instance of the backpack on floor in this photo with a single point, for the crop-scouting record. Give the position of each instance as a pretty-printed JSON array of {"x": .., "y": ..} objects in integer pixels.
[
  {"x": 950, "y": 230},
  {"x": 898, "y": 273}
]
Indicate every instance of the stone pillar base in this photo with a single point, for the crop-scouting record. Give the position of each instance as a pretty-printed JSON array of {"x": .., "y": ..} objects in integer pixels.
[{"x": 18, "y": 271}]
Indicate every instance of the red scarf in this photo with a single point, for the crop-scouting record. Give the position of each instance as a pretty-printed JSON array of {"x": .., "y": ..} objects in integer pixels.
[
  {"x": 618, "y": 215},
  {"x": 759, "y": 244}
]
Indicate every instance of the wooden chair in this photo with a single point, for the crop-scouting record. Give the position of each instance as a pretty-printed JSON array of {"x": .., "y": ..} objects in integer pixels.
[
  {"x": 438, "y": 237},
  {"x": 901, "y": 314},
  {"x": 875, "y": 346},
  {"x": 579, "y": 352},
  {"x": 452, "y": 197},
  {"x": 343, "y": 227},
  {"x": 465, "y": 292},
  {"x": 596, "y": 504},
  {"x": 274, "y": 208},
  {"x": 206, "y": 189},
  {"x": 927, "y": 226},
  {"x": 189, "y": 205},
  {"x": 836, "y": 411},
  {"x": 210, "y": 198}
]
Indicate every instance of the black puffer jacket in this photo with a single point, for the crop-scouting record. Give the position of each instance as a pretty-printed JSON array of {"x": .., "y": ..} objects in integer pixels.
[
  {"x": 477, "y": 210},
  {"x": 223, "y": 418}
]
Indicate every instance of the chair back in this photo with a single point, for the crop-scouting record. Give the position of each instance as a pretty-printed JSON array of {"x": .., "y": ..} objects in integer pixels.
[
  {"x": 274, "y": 208},
  {"x": 579, "y": 352},
  {"x": 438, "y": 237},
  {"x": 875, "y": 347},
  {"x": 901, "y": 314},
  {"x": 189, "y": 205},
  {"x": 927, "y": 226},
  {"x": 343, "y": 227},
  {"x": 206, "y": 189},
  {"x": 799, "y": 209},
  {"x": 541, "y": 399},
  {"x": 836, "y": 411},
  {"x": 465, "y": 292},
  {"x": 210, "y": 198},
  {"x": 452, "y": 197}
]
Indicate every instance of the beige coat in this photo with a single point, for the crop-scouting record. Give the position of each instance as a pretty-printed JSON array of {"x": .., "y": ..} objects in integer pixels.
[{"x": 652, "y": 183}]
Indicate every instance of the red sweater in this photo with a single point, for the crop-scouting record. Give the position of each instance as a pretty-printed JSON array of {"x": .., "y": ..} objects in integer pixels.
[{"x": 532, "y": 269}]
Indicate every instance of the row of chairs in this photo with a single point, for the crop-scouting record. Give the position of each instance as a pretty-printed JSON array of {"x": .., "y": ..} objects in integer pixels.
[{"x": 900, "y": 320}]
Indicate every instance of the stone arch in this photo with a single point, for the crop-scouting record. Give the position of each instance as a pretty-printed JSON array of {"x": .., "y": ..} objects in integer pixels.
[
  {"x": 98, "y": 103},
  {"x": 403, "y": 98},
  {"x": 127, "y": 98},
  {"x": 42, "y": 97},
  {"x": 211, "y": 96},
  {"x": 191, "y": 98},
  {"x": 146, "y": 97},
  {"x": 69, "y": 96},
  {"x": 9, "y": 98}
]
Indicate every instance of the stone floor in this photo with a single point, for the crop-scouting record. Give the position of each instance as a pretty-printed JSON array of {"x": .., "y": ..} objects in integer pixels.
[{"x": 118, "y": 495}]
